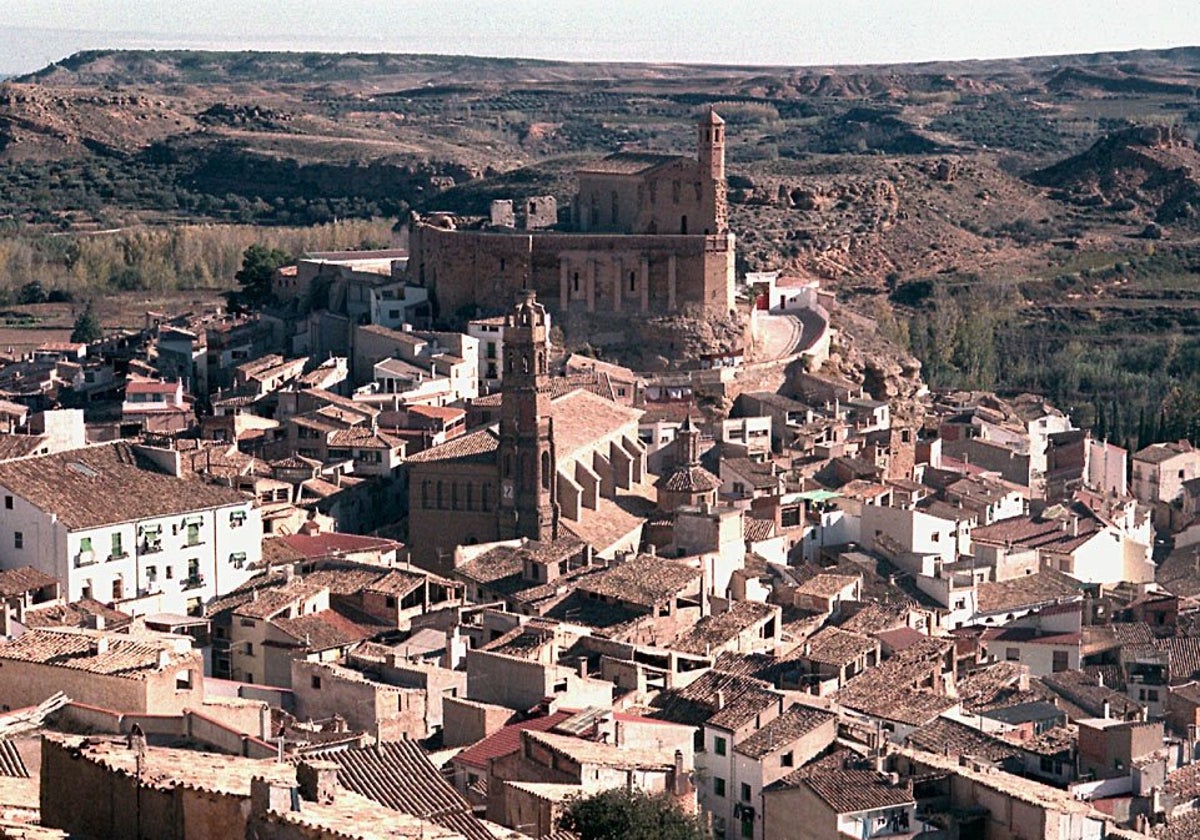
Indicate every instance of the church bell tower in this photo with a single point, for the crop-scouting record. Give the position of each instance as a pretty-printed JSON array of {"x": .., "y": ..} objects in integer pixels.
[
  {"x": 528, "y": 474},
  {"x": 710, "y": 144}
]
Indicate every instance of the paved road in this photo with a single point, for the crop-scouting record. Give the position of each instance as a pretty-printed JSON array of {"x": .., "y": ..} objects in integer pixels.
[{"x": 787, "y": 334}]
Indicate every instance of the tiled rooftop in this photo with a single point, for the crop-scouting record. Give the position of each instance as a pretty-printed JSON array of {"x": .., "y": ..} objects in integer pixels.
[
  {"x": 786, "y": 729},
  {"x": 96, "y": 653},
  {"x": 644, "y": 581},
  {"x": 80, "y": 485},
  {"x": 23, "y": 579},
  {"x": 847, "y": 786},
  {"x": 716, "y": 629},
  {"x": 834, "y": 646}
]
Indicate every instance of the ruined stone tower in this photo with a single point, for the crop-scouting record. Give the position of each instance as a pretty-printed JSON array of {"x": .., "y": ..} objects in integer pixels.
[{"x": 711, "y": 154}]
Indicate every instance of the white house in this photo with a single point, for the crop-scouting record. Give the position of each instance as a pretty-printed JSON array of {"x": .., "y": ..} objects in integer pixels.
[{"x": 109, "y": 526}]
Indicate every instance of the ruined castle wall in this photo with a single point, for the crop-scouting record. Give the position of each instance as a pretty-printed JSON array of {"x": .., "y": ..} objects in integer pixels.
[{"x": 575, "y": 272}]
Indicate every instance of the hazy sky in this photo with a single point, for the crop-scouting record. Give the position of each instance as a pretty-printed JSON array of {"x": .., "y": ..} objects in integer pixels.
[{"x": 796, "y": 32}]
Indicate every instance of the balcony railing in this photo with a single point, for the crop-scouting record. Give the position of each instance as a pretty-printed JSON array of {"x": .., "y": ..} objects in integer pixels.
[{"x": 194, "y": 582}]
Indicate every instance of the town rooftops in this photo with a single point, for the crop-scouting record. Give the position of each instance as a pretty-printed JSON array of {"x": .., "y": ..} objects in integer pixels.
[
  {"x": 717, "y": 698},
  {"x": 714, "y": 630},
  {"x": 105, "y": 485},
  {"x": 23, "y": 579},
  {"x": 582, "y": 751},
  {"x": 1156, "y": 453},
  {"x": 1043, "y": 587},
  {"x": 789, "y": 727},
  {"x": 826, "y": 585},
  {"x": 507, "y": 740},
  {"x": 847, "y": 786},
  {"x": 833, "y": 646},
  {"x": 645, "y": 581},
  {"x": 318, "y": 546},
  {"x": 326, "y": 630},
  {"x": 96, "y": 653},
  {"x": 950, "y": 737}
]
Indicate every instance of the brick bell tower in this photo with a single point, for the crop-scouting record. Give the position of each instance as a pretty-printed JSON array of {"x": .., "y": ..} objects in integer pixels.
[
  {"x": 710, "y": 143},
  {"x": 528, "y": 476}
]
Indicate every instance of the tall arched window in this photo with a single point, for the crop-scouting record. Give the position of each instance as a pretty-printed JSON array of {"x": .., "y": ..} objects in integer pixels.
[
  {"x": 425, "y": 493},
  {"x": 441, "y": 495},
  {"x": 470, "y": 495},
  {"x": 546, "y": 471}
]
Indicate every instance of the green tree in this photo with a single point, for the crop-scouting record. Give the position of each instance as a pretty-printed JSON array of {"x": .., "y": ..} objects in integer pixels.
[
  {"x": 630, "y": 815},
  {"x": 259, "y": 264},
  {"x": 87, "y": 327},
  {"x": 32, "y": 292}
]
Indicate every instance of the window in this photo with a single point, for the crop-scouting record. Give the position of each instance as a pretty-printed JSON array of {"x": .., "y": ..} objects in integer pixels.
[
  {"x": 8, "y": 502},
  {"x": 390, "y": 601},
  {"x": 237, "y": 519},
  {"x": 1012, "y": 654},
  {"x": 1061, "y": 662},
  {"x": 151, "y": 574},
  {"x": 719, "y": 746},
  {"x": 748, "y": 827},
  {"x": 117, "y": 549},
  {"x": 85, "y": 545},
  {"x": 118, "y": 589},
  {"x": 193, "y": 533},
  {"x": 718, "y": 786},
  {"x": 18, "y": 539},
  {"x": 745, "y": 792},
  {"x": 170, "y": 572},
  {"x": 249, "y": 651},
  {"x": 316, "y": 682},
  {"x": 238, "y": 559},
  {"x": 788, "y": 759},
  {"x": 1047, "y": 764}
]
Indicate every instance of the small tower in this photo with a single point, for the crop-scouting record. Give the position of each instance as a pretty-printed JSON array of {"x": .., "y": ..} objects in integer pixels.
[
  {"x": 688, "y": 483},
  {"x": 711, "y": 155},
  {"x": 528, "y": 504}
]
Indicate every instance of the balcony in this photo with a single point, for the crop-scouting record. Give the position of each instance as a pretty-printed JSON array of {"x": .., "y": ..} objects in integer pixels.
[
  {"x": 85, "y": 558},
  {"x": 194, "y": 582}
]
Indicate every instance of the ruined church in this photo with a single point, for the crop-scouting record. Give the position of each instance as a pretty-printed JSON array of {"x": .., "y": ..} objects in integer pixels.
[{"x": 649, "y": 234}]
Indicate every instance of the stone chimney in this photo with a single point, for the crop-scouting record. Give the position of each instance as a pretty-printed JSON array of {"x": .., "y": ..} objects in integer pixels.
[
  {"x": 679, "y": 777},
  {"x": 1106, "y": 710},
  {"x": 267, "y": 796},
  {"x": 318, "y": 781},
  {"x": 720, "y": 699}
]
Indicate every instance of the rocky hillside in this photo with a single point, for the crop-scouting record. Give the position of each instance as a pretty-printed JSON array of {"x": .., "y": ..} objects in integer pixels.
[{"x": 1154, "y": 170}]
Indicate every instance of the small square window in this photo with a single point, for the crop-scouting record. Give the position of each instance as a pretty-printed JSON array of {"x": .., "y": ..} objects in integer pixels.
[
  {"x": 719, "y": 746},
  {"x": 788, "y": 759},
  {"x": 718, "y": 786},
  {"x": 8, "y": 502},
  {"x": 316, "y": 681},
  {"x": 745, "y": 792}
]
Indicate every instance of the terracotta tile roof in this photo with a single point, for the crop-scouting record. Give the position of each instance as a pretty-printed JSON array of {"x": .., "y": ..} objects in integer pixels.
[
  {"x": 79, "y": 613},
  {"x": 110, "y": 655},
  {"x": 1183, "y": 656},
  {"x": 849, "y": 789},
  {"x": 890, "y": 691},
  {"x": 644, "y": 581},
  {"x": 949, "y": 737},
  {"x": 714, "y": 630},
  {"x": 20, "y": 446},
  {"x": 105, "y": 485},
  {"x": 1031, "y": 636},
  {"x": 479, "y": 446},
  {"x": 314, "y": 546},
  {"x": 604, "y": 755},
  {"x": 991, "y": 685},
  {"x": 827, "y": 585},
  {"x": 1156, "y": 453},
  {"x": 23, "y": 579},
  {"x": 697, "y": 704},
  {"x": 877, "y": 616},
  {"x": 581, "y": 418},
  {"x": 326, "y": 630},
  {"x": 834, "y": 646},
  {"x": 757, "y": 530},
  {"x": 11, "y": 764},
  {"x": 687, "y": 479},
  {"x": 1084, "y": 691},
  {"x": 1043, "y": 587},
  {"x": 270, "y": 601},
  {"x": 1046, "y": 534},
  {"x": 506, "y": 741},
  {"x": 789, "y": 727},
  {"x": 397, "y": 775},
  {"x": 1183, "y": 826}
]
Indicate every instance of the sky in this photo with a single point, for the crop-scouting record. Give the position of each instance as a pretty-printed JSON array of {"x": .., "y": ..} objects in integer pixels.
[{"x": 34, "y": 33}]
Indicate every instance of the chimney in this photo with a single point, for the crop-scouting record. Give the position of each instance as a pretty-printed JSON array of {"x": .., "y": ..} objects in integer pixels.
[
  {"x": 101, "y": 646},
  {"x": 1106, "y": 709},
  {"x": 318, "y": 781},
  {"x": 679, "y": 777},
  {"x": 583, "y": 668},
  {"x": 289, "y": 573},
  {"x": 720, "y": 699},
  {"x": 95, "y": 621},
  {"x": 267, "y": 796}
]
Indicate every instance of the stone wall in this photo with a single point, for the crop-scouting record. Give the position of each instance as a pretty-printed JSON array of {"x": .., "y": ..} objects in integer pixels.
[{"x": 469, "y": 269}]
